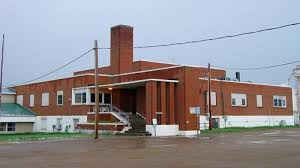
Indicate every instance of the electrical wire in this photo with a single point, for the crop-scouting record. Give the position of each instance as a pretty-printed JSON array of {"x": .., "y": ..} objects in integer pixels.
[
  {"x": 174, "y": 44},
  {"x": 258, "y": 68},
  {"x": 55, "y": 70},
  {"x": 214, "y": 38}
]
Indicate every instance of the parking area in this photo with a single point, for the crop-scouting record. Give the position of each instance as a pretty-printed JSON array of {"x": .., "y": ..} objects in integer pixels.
[{"x": 271, "y": 148}]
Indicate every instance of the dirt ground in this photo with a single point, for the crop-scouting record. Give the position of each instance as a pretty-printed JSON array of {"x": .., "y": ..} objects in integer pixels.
[{"x": 272, "y": 148}]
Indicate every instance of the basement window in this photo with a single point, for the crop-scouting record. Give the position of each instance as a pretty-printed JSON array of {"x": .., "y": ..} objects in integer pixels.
[
  {"x": 11, "y": 127},
  {"x": 2, "y": 127},
  {"x": 238, "y": 99},
  {"x": 279, "y": 101}
]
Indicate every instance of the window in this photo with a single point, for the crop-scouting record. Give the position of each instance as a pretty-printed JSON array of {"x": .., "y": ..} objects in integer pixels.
[
  {"x": 44, "y": 123},
  {"x": 20, "y": 99},
  {"x": 259, "y": 101},
  {"x": 243, "y": 102},
  {"x": 2, "y": 127},
  {"x": 279, "y": 101},
  {"x": 213, "y": 98},
  {"x": 11, "y": 127},
  {"x": 60, "y": 97},
  {"x": 45, "y": 99},
  {"x": 75, "y": 122},
  {"x": 233, "y": 101},
  {"x": 31, "y": 100},
  {"x": 93, "y": 98},
  {"x": 80, "y": 98},
  {"x": 238, "y": 99},
  {"x": 107, "y": 98},
  {"x": 59, "y": 124}
]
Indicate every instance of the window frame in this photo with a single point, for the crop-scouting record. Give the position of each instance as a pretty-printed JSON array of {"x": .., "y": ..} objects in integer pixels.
[
  {"x": 213, "y": 98},
  {"x": 281, "y": 101},
  {"x": 19, "y": 98},
  {"x": 45, "y": 103},
  {"x": 58, "y": 94},
  {"x": 31, "y": 100},
  {"x": 11, "y": 127},
  {"x": 80, "y": 94},
  {"x": 3, "y": 126},
  {"x": 239, "y": 98},
  {"x": 259, "y": 101}
]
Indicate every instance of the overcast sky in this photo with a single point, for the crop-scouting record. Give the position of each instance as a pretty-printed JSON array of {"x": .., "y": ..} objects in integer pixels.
[{"x": 42, "y": 35}]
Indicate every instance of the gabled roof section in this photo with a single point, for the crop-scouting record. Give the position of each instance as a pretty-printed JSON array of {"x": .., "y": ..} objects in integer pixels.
[{"x": 14, "y": 110}]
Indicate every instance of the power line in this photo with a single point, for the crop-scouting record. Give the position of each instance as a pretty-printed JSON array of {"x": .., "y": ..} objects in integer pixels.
[
  {"x": 56, "y": 69},
  {"x": 258, "y": 68},
  {"x": 214, "y": 38},
  {"x": 174, "y": 44}
]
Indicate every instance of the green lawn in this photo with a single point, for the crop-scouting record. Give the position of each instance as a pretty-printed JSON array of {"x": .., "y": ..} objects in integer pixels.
[
  {"x": 15, "y": 137},
  {"x": 242, "y": 129}
]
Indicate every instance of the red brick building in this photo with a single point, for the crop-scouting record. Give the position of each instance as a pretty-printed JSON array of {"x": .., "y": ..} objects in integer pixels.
[{"x": 166, "y": 92}]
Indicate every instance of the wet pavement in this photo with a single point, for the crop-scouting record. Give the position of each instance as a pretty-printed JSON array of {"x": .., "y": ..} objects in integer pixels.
[{"x": 272, "y": 148}]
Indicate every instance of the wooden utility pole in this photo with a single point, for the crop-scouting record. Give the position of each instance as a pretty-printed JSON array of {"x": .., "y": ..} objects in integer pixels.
[
  {"x": 2, "y": 56},
  {"x": 209, "y": 97},
  {"x": 96, "y": 90}
]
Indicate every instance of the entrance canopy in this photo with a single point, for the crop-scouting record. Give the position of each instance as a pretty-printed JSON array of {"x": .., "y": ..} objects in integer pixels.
[{"x": 135, "y": 84}]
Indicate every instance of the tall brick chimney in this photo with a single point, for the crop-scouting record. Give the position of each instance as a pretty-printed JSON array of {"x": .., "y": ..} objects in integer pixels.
[{"x": 121, "y": 52}]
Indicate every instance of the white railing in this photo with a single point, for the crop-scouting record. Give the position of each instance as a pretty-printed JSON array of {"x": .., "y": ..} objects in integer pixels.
[{"x": 141, "y": 115}]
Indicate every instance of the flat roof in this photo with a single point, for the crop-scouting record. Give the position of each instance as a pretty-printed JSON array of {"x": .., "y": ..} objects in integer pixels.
[
  {"x": 130, "y": 84},
  {"x": 250, "y": 83}
]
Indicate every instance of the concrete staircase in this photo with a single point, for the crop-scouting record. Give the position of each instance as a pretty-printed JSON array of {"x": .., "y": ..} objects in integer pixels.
[{"x": 138, "y": 126}]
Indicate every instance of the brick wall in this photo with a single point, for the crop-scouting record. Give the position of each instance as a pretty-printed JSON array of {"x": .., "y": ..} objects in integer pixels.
[{"x": 52, "y": 87}]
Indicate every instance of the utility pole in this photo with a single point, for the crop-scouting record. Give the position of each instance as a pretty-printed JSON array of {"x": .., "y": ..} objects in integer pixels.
[
  {"x": 96, "y": 90},
  {"x": 209, "y": 97},
  {"x": 2, "y": 56}
]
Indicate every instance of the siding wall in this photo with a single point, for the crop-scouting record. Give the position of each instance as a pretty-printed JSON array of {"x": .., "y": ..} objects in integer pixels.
[{"x": 8, "y": 99}]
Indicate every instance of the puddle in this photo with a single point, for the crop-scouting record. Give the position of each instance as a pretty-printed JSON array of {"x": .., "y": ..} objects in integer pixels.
[
  {"x": 281, "y": 140},
  {"x": 271, "y": 133},
  {"x": 259, "y": 142}
]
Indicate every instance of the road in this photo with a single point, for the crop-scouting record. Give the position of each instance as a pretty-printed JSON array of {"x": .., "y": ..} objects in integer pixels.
[{"x": 272, "y": 148}]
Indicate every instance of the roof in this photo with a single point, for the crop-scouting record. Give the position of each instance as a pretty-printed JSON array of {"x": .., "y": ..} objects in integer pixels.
[
  {"x": 136, "y": 83},
  {"x": 130, "y": 84},
  {"x": 14, "y": 110},
  {"x": 249, "y": 83},
  {"x": 8, "y": 91}
]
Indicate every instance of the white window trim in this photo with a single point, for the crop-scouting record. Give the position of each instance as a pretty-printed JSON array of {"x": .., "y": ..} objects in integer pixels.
[
  {"x": 279, "y": 97},
  {"x": 81, "y": 90},
  {"x": 258, "y": 105},
  {"x": 44, "y": 122},
  {"x": 237, "y": 100},
  {"x": 31, "y": 100},
  {"x": 20, "y": 100},
  {"x": 45, "y": 104},
  {"x": 60, "y": 93},
  {"x": 213, "y": 98}
]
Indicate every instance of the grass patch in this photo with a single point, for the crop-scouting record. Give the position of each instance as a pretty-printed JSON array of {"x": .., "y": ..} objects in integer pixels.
[
  {"x": 243, "y": 129},
  {"x": 38, "y": 136}
]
